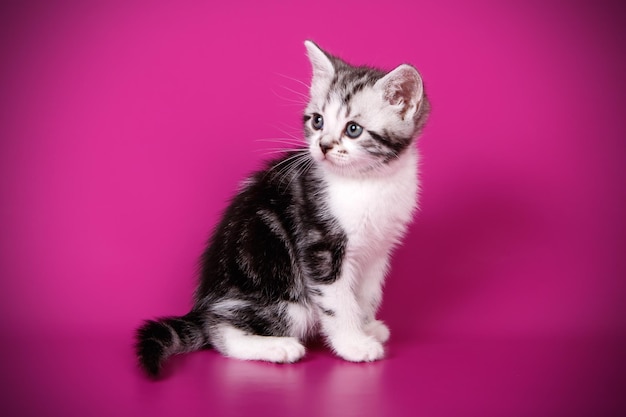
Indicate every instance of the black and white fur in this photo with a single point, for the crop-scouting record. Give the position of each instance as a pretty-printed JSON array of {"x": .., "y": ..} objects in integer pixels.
[{"x": 305, "y": 245}]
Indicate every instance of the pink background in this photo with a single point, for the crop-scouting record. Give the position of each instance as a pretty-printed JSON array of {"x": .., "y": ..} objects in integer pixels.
[{"x": 126, "y": 126}]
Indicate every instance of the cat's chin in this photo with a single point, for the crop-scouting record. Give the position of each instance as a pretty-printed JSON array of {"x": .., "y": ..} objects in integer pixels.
[
  {"x": 363, "y": 169},
  {"x": 347, "y": 170},
  {"x": 336, "y": 167},
  {"x": 340, "y": 166}
]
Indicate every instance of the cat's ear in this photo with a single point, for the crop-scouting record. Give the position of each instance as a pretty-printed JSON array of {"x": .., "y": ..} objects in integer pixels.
[
  {"x": 403, "y": 89},
  {"x": 323, "y": 68}
]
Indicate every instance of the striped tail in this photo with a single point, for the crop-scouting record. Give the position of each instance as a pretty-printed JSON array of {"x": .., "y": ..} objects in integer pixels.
[{"x": 156, "y": 340}]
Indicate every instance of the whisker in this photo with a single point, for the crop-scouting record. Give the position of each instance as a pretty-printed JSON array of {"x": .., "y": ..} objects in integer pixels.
[
  {"x": 282, "y": 126},
  {"x": 292, "y": 157},
  {"x": 295, "y": 135},
  {"x": 280, "y": 140},
  {"x": 305, "y": 167},
  {"x": 295, "y": 102},
  {"x": 292, "y": 161},
  {"x": 294, "y": 171},
  {"x": 293, "y": 165},
  {"x": 299, "y": 148},
  {"x": 286, "y": 146},
  {"x": 303, "y": 95},
  {"x": 279, "y": 151},
  {"x": 293, "y": 79},
  {"x": 298, "y": 105}
]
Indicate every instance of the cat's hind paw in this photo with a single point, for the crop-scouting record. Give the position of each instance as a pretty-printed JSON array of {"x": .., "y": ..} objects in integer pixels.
[
  {"x": 238, "y": 344},
  {"x": 284, "y": 350}
]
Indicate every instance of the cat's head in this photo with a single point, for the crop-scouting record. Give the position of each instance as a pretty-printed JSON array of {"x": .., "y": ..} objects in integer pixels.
[{"x": 360, "y": 119}]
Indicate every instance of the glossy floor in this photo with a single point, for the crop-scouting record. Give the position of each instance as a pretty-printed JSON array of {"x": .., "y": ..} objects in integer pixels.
[{"x": 88, "y": 375}]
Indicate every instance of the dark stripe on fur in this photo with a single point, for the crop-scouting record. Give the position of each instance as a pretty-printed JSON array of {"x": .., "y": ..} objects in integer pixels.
[{"x": 396, "y": 145}]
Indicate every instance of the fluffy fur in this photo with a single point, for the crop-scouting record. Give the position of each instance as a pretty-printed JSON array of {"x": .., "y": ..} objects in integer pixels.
[{"x": 305, "y": 245}]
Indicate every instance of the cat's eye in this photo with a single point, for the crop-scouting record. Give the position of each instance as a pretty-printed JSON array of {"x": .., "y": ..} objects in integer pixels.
[
  {"x": 353, "y": 130},
  {"x": 317, "y": 121}
]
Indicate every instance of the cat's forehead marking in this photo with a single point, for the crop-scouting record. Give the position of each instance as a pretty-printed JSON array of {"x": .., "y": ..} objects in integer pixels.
[
  {"x": 334, "y": 108},
  {"x": 348, "y": 110},
  {"x": 339, "y": 107}
]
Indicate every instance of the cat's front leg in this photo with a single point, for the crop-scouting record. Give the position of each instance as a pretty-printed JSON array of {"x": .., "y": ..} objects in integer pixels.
[
  {"x": 342, "y": 322},
  {"x": 369, "y": 296},
  {"x": 378, "y": 330}
]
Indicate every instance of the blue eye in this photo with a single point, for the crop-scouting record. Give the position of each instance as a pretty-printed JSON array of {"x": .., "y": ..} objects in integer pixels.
[
  {"x": 353, "y": 130},
  {"x": 317, "y": 121}
]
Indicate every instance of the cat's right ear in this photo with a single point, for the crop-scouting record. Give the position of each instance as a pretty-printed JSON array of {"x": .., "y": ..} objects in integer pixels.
[
  {"x": 323, "y": 68},
  {"x": 403, "y": 89}
]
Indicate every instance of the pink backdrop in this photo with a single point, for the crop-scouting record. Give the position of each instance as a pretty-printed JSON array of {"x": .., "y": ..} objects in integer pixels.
[{"x": 126, "y": 127}]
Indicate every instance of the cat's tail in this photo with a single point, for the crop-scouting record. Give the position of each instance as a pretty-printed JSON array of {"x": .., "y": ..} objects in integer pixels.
[{"x": 156, "y": 340}]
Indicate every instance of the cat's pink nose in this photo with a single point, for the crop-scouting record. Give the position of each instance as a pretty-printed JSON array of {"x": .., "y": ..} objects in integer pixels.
[{"x": 325, "y": 147}]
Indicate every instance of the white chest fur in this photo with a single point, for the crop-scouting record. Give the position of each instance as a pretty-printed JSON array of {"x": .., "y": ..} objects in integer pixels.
[{"x": 375, "y": 212}]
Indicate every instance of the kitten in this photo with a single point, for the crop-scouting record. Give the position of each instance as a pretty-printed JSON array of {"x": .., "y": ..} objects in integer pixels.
[{"x": 305, "y": 245}]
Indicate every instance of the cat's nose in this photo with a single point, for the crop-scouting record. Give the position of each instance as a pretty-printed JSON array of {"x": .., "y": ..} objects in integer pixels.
[{"x": 325, "y": 147}]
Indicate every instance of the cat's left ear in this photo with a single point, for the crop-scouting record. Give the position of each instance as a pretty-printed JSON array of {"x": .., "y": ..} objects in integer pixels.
[
  {"x": 403, "y": 89},
  {"x": 323, "y": 68}
]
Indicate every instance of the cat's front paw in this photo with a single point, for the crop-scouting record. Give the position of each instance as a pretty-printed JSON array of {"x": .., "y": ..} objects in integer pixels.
[
  {"x": 359, "y": 349},
  {"x": 378, "y": 330}
]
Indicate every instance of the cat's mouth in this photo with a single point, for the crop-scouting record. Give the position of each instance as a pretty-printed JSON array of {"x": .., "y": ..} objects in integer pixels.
[
  {"x": 345, "y": 165},
  {"x": 339, "y": 161},
  {"x": 333, "y": 159}
]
